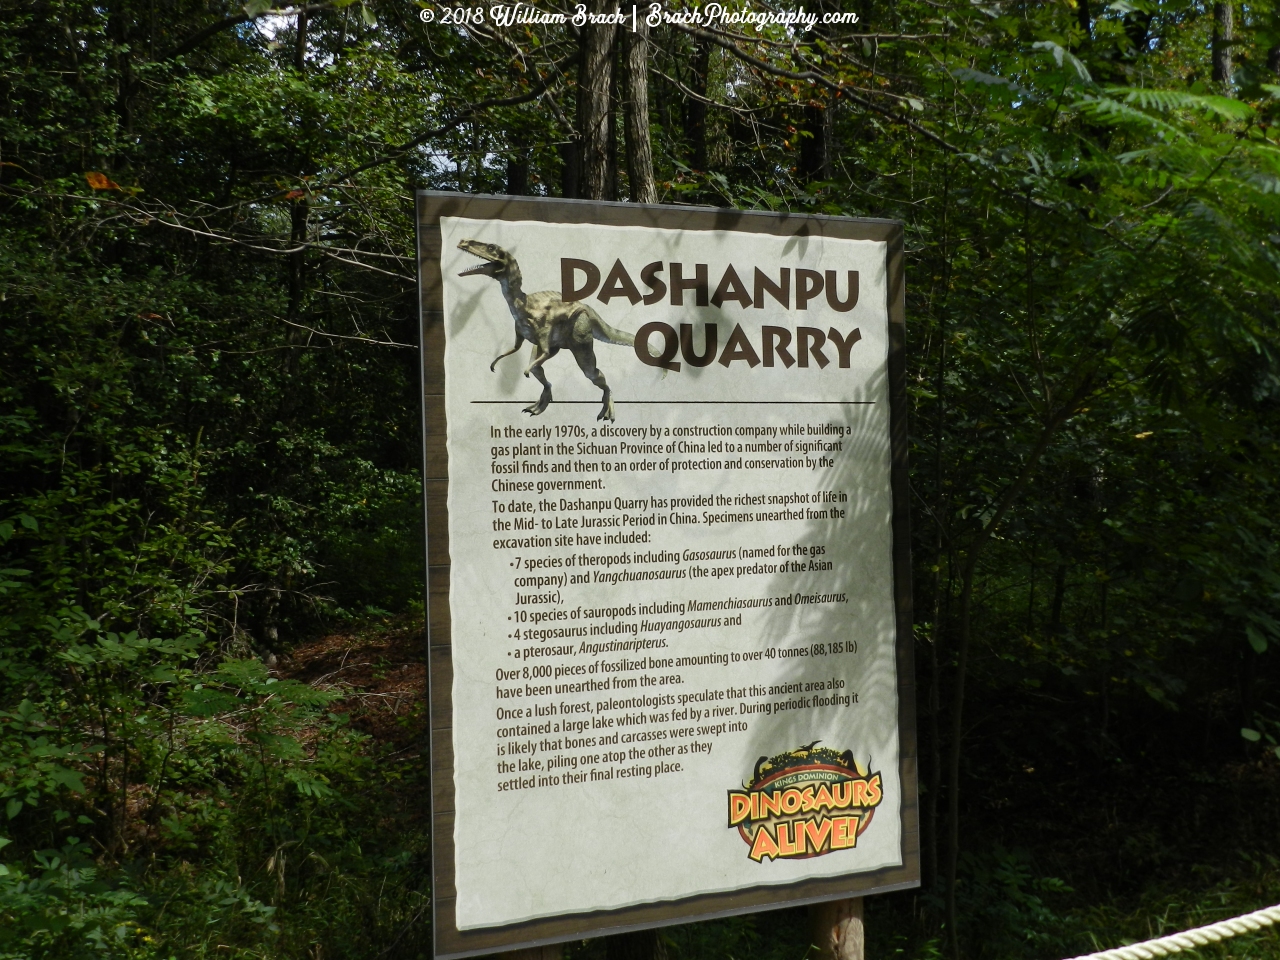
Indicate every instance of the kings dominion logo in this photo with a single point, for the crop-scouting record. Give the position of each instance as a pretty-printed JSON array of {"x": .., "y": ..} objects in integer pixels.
[{"x": 807, "y": 802}]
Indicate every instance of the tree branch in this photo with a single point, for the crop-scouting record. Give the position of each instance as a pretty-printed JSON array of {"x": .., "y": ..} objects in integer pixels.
[
  {"x": 812, "y": 76},
  {"x": 463, "y": 116},
  {"x": 204, "y": 33}
]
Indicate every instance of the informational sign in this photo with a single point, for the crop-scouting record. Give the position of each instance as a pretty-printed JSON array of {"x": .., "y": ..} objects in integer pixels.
[{"x": 671, "y": 666}]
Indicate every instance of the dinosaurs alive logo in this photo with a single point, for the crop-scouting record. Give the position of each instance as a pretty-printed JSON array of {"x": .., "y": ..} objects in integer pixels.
[{"x": 807, "y": 802}]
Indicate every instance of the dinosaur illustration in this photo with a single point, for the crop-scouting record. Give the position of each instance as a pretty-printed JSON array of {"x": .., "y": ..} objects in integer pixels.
[
  {"x": 547, "y": 322},
  {"x": 808, "y": 754}
]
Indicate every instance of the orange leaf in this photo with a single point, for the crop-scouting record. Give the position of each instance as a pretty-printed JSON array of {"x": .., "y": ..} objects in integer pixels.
[
  {"x": 295, "y": 194},
  {"x": 100, "y": 182}
]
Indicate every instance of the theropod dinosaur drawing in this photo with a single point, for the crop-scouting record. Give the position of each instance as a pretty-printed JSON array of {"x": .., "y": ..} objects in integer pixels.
[{"x": 547, "y": 322}]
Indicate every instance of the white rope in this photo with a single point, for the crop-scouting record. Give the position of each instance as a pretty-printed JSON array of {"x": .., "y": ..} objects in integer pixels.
[{"x": 1190, "y": 939}]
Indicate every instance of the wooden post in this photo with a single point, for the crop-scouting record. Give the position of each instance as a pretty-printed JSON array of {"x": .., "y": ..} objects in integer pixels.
[
  {"x": 638, "y": 945},
  {"x": 837, "y": 929}
]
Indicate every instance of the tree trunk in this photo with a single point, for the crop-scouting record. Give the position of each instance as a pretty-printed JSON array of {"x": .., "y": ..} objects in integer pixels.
[
  {"x": 1059, "y": 594},
  {"x": 518, "y": 174},
  {"x": 611, "y": 138},
  {"x": 595, "y": 74},
  {"x": 939, "y": 617},
  {"x": 1248, "y": 689},
  {"x": 118, "y": 21},
  {"x": 570, "y": 170},
  {"x": 815, "y": 149},
  {"x": 298, "y": 217},
  {"x": 1223, "y": 34},
  {"x": 1084, "y": 17},
  {"x": 635, "y": 64},
  {"x": 953, "y": 766},
  {"x": 695, "y": 109},
  {"x": 941, "y": 601},
  {"x": 838, "y": 932},
  {"x": 1031, "y": 592},
  {"x": 300, "y": 43}
]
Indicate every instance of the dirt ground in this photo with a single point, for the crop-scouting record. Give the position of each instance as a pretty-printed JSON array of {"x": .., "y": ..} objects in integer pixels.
[{"x": 382, "y": 676}]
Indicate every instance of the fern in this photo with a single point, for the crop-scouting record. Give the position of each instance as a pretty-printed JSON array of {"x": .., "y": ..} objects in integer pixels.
[
  {"x": 1115, "y": 113},
  {"x": 1167, "y": 101}
]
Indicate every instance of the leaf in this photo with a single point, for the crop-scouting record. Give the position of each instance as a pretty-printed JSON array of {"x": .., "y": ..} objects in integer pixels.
[
  {"x": 12, "y": 807},
  {"x": 367, "y": 16},
  {"x": 1060, "y": 54},
  {"x": 209, "y": 703},
  {"x": 1106, "y": 110},
  {"x": 28, "y": 522},
  {"x": 99, "y": 181},
  {"x": 256, "y": 8},
  {"x": 248, "y": 673},
  {"x": 1256, "y": 639},
  {"x": 279, "y": 745},
  {"x": 309, "y": 786},
  {"x": 1264, "y": 183},
  {"x": 977, "y": 76},
  {"x": 303, "y": 695},
  {"x": 1166, "y": 101},
  {"x": 67, "y": 778},
  {"x": 1253, "y": 736},
  {"x": 1124, "y": 6},
  {"x": 295, "y": 194}
]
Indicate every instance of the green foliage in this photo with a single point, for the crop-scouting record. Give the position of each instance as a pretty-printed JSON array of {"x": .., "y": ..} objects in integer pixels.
[
  {"x": 32, "y": 765},
  {"x": 209, "y": 441},
  {"x": 172, "y": 498},
  {"x": 1003, "y": 896},
  {"x": 63, "y": 908}
]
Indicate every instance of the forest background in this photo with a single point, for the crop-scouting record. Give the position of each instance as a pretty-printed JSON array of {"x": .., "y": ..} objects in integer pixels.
[{"x": 211, "y": 605}]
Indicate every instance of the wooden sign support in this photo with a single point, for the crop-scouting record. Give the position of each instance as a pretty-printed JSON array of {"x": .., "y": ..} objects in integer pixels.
[{"x": 838, "y": 931}]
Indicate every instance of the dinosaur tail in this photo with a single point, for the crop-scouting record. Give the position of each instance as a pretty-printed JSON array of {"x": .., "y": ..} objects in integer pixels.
[{"x": 602, "y": 331}]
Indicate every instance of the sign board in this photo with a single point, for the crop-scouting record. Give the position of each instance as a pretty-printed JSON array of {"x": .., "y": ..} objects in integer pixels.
[{"x": 669, "y": 597}]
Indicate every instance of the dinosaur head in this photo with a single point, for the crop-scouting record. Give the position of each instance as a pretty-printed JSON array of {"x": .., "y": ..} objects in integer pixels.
[{"x": 497, "y": 262}]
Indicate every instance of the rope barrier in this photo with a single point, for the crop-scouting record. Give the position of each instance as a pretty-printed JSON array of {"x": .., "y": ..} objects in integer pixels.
[{"x": 1190, "y": 939}]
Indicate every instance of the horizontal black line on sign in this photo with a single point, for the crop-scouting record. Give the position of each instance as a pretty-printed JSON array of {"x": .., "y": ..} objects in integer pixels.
[{"x": 713, "y": 403}]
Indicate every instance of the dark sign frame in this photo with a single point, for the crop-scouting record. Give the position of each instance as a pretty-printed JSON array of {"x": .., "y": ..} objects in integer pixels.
[{"x": 453, "y": 943}]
